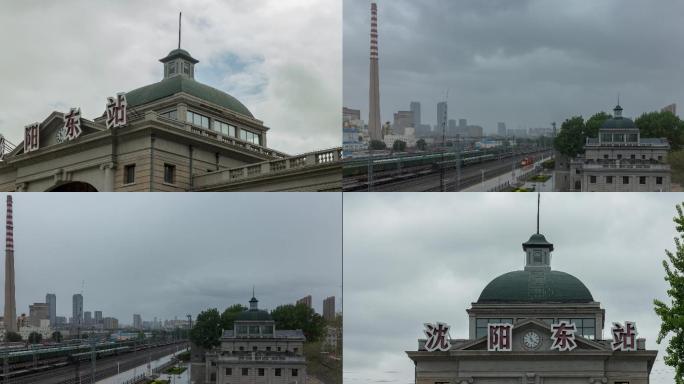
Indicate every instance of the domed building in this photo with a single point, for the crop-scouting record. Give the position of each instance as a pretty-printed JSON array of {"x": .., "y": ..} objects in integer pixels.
[
  {"x": 254, "y": 351},
  {"x": 619, "y": 160},
  {"x": 533, "y": 326},
  {"x": 173, "y": 135}
]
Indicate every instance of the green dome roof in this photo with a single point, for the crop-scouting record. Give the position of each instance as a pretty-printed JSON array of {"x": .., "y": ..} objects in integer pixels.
[
  {"x": 253, "y": 315},
  {"x": 618, "y": 122},
  {"x": 179, "y": 53},
  {"x": 535, "y": 287},
  {"x": 181, "y": 83}
]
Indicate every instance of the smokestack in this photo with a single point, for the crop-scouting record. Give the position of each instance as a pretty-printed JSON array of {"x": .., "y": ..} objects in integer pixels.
[
  {"x": 374, "y": 127},
  {"x": 10, "y": 303}
]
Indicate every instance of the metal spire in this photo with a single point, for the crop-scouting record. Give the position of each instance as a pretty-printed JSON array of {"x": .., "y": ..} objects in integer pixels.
[
  {"x": 538, "y": 203},
  {"x": 179, "y": 28}
]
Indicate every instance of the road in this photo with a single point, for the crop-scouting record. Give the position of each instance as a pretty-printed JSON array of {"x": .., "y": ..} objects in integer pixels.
[
  {"x": 470, "y": 175},
  {"x": 106, "y": 367}
]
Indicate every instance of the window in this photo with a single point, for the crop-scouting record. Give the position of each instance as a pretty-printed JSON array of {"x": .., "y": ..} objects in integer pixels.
[
  {"x": 632, "y": 157},
  {"x": 242, "y": 348},
  {"x": 172, "y": 68},
  {"x": 254, "y": 348},
  {"x": 632, "y": 137},
  {"x": 481, "y": 325},
  {"x": 607, "y": 137},
  {"x": 642, "y": 180},
  {"x": 254, "y": 330},
  {"x": 242, "y": 329},
  {"x": 537, "y": 257},
  {"x": 277, "y": 371},
  {"x": 213, "y": 376},
  {"x": 129, "y": 174},
  {"x": 186, "y": 68},
  {"x": 592, "y": 179},
  {"x": 295, "y": 350},
  {"x": 294, "y": 372},
  {"x": 229, "y": 371},
  {"x": 245, "y": 371},
  {"x": 278, "y": 349},
  {"x": 225, "y": 129},
  {"x": 585, "y": 327},
  {"x": 267, "y": 329},
  {"x": 170, "y": 114},
  {"x": 643, "y": 157},
  {"x": 625, "y": 179},
  {"x": 659, "y": 180},
  {"x": 197, "y": 119},
  {"x": 605, "y": 157},
  {"x": 609, "y": 179},
  {"x": 619, "y": 156},
  {"x": 250, "y": 137},
  {"x": 262, "y": 371},
  {"x": 169, "y": 173},
  {"x": 660, "y": 158},
  {"x": 619, "y": 137}
]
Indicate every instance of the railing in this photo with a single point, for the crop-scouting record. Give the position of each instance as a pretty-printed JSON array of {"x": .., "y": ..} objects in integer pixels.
[
  {"x": 250, "y": 357},
  {"x": 656, "y": 166},
  {"x": 328, "y": 156}
]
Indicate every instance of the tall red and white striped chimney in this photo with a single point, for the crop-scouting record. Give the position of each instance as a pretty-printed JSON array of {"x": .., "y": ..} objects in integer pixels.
[
  {"x": 10, "y": 318},
  {"x": 374, "y": 124}
]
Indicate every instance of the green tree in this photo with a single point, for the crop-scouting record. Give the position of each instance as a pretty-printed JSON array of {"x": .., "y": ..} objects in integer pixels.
[
  {"x": 399, "y": 145},
  {"x": 662, "y": 124},
  {"x": 570, "y": 140},
  {"x": 12, "y": 337},
  {"x": 377, "y": 144},
  {"x": 207, "y": 329},
  {"x": 300, "y": 317},
  {"x": 57, "y": 336},
  {"x": 228, "y": 316},
  {"x": 593, "y": 124},
  {"x": 672, "y": 316},
  {"x": 421, "y": 144},
  {"x": 35, "y": 338}
]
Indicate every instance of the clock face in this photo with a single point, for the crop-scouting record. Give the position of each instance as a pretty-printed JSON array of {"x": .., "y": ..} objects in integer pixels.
[{"x": 531, "y": 340}]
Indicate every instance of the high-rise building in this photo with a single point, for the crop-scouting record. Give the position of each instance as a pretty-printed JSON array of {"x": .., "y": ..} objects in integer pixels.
[
  {"x": 501, "y": 129},
  {"x": 137, "y": 321},
  {"x": 306, "y": 300},
  {"x": 110, "y": 323},
  {"x": 452, "y": 130},
  {"x": 672, "y": 108},
  {"x": 38, "y": 312},
  {"x": 463, "y": 124},
  {"x": 442, "y": 116},
  {"x": 51, "y": 300},
  {"x": 374, "y": 124},
  {"x": 329, "y": 308},
  {"x": 87, "y": 318},
  {"x": 77, "y": 311},
  {"x": 98, "y": 317},
  {"x": 415, "y": 108},
  {"x": 349, "y": 114},
  {"x": 10, "y": 299},
  {"x": 402, "y": 120}
]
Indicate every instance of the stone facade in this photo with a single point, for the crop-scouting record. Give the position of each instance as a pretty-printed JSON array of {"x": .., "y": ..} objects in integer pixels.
[
  {"x": 618, "y": 160},
  {"x": 180, "y": 135},
  {"x": 531, "y": 301}
]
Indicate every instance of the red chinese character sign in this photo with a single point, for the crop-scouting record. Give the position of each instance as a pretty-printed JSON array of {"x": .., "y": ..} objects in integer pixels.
[
  {"x": 437, "y": 337},
  {"x": 31, "y": 137},
  {"x": 563, "y": 336},
  {"x": 72, "y": 124},
  {"x": 116, "y": 111},
  {"x": 624, "y": 338},
  {"x": 499, "y": 337}
]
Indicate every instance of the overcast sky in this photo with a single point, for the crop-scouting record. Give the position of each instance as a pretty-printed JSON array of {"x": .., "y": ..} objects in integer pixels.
[
  {"x": 282, "y": 59},
  {"x": 416, "y": 258},
  {"x": 168, "y": 255},
  {"x": 526, "y": 63}
]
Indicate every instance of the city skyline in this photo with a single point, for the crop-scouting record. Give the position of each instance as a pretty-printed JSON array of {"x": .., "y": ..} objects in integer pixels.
[
  {"x": 515, "y": 62},
  {"x": 265, "y": 68},
  {"x": 466, "y": 242},
  {"x": 177, "y": 283}
]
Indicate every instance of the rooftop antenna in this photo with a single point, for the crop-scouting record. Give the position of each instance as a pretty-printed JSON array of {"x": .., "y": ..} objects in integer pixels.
[
  {"x": 538, "y": 202},
  {"x": 253, "y": 291},
  {"x": 179, "y": 28}
]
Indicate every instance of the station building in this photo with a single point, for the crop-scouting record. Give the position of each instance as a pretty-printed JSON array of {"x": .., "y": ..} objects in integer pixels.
[
  {"x": 535, "y": 326},
  {"x": 177, "y": 135},
  {"x": 255, "y": 351},
  {"x": 618, "y": 160}
]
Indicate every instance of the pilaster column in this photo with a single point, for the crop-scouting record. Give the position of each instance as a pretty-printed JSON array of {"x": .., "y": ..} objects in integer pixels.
[{"x": 108, "y": 181}]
